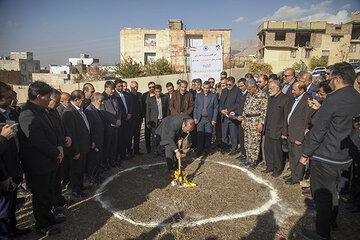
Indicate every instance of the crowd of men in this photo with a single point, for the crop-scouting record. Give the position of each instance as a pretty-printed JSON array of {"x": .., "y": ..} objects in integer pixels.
[{"x": 58, "y": 138}]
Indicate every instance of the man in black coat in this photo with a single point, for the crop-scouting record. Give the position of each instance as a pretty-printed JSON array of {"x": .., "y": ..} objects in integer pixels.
[
  {"x": 172, "y": 130},
  {"x": 97, "y": 133},
  {"x": 88, "y": 90},
  {"x": 275, "y": 126},
  {"x": 145, "y": 98},
  {"x": 137, "y": 117},
  {"x": 157, "y": 108},
  {"x": 297, "y": 120},
  {"x": 124, "y": 135},
  {"x": 41, "y": 151},
  {"x": 10, "y": 169},
  {"x": 289, "y": 80},
  {"x": 77, "y": 125},
  {"x": 230, "y": 102},
  {"x": 112, "y": 114},
  {"x": 244, "y": 92}
]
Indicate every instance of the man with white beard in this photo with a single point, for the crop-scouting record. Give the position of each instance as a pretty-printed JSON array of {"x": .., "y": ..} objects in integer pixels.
[
  {"x": 278, "y": 109},
  {"x": 97, "y": 136}
]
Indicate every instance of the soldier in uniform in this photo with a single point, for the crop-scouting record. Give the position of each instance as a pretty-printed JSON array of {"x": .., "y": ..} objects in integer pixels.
[{"x": 253, "y": 118}]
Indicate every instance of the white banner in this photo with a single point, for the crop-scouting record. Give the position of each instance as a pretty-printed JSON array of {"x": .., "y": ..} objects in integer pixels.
[{"x": 206, "y": 62}]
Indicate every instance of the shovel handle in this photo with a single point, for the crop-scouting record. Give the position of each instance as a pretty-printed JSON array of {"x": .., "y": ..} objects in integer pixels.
[{"x": 179, "y": 165}]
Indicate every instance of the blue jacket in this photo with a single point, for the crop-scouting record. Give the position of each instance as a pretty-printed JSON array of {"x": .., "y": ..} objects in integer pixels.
[{"x": 212, "y": 106}]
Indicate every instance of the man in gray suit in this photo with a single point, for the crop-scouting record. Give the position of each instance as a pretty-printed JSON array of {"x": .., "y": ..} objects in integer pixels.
[{"x": 172, "y": 130}]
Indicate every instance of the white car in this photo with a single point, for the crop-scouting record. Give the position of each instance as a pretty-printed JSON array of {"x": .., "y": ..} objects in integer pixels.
[
  {"x": 318, "y": 70},
  {"x": 357, "y": 70}
]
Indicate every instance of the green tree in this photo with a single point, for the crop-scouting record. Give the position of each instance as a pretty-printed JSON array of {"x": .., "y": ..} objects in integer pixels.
[
  {"x": 259, "y": 68},
  {"x": 159, "y": 67},
  {"x": 318, "y": 62},
  {"x": 128, "y": 68}
]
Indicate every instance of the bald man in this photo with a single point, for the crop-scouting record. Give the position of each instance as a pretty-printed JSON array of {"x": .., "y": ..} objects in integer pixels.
[
  {"x": 311, "y": 89},
  {"x": 64, "y": 101}
]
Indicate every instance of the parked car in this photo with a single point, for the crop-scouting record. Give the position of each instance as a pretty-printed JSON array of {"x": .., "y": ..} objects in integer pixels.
[
  {"x": 318, "y": 70},
  {"x": 357, "y": 70}
]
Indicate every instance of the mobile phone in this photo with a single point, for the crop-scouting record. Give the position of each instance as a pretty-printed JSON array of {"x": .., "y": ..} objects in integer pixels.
[
  {"x": 356, "y": 121},
  {"x": 10, "y": 122}
]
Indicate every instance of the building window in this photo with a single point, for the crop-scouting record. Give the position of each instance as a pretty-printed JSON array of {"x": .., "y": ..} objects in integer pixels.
[
  {"x": 352, "y": 47},
  {"x": 337, "y": 27},
  {"x": 23, "y": 66},
  {"x": 336, "y": 38},
  {"x": 150, "y": 40},
  {"x": 30, "y": 77},
  {"x": 325, "y": 53},
  {"x": 280, "y": 36},
  {"x": 220, "y": 40},
  {"x": 24, "y": 78},
  {"x": 307, "y": 53},
  {"x": 194, "y": 40},
  {"x": 293, "y": 53},
  {"x": 149, "y": 57}
]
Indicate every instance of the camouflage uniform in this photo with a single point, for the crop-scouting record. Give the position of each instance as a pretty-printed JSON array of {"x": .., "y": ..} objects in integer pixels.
[{"x": 253, "y": 114}]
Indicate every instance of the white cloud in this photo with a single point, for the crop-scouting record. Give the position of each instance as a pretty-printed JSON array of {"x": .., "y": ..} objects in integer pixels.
[
  {"x": 240, "y": 19},
  {"x": 346, "y": 6},
  {"x": 319, "y": 12}
]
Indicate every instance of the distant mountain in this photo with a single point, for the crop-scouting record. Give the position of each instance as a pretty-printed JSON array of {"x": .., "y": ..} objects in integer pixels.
[{"x": 244, "y": 47}]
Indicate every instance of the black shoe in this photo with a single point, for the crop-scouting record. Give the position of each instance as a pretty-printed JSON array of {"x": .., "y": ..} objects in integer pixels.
[
  {"x": 138, "y": 153},
  {"x": 56, "y": 220},
  {"x": 79, "y": 194},
  {"x": 233, "y": 153},
  {"x": 292, "y": 181},
  {"x": 287, "y": 177},
  {"x": 311, "y": 234},
  {"x": 19, "y": 232},
  {"x": 241, "y": 157},
  {"x": 267, "y": 171},
  {"x": 223, "y": 152},
  {"x": 48, "y": 231},
  {"x": 276, "y": 174},
  {"x": 56, "y": 211}
]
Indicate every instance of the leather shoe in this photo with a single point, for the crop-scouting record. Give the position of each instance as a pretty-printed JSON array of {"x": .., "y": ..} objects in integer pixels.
[
  {"x": 311, "y": 234},
  {"x": 287, "y": 177},
  {"x": 19, "y": 232},
  {"x": 291, "y": 182},
  {"x": 48, "y": 231},
  {"x": 267, "y": 171},
  {"x": 276, "y": 174},
  {"x": 56, "y": 220}
]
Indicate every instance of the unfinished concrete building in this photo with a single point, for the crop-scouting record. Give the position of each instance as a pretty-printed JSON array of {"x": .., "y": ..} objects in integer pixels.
[
  {"x": 282, "y": 44},
  {"x": 147, "y": 45}
]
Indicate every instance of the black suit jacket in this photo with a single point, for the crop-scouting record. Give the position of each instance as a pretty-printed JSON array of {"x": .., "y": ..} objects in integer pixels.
[
  {"x": 137, "y": 104},
  {"x": 60, "y": 109},
  {"x": 280, "y": 112},
  {"x": 242, "y": 101},
  {"x": 289, "y": 91},
  {"x": 231, "y": 100},
  {"x": 299, "y": 119},
  {"x": 39, "y": 140},
  {"x": 58, "y": 126},
  {"x": 110, "y": 109},
  {"x": 129, "y": 105},
  {"x": 152, "y": 111},
  {"x": 9, "y": 154},
  {"x": 97, "y": 126},
  {"x": 76, "y": 127},
  {"x": 170, "y": 130}
]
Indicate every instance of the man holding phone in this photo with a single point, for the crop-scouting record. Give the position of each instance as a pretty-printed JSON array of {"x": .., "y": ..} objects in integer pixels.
[{"x": 10, "y": 169}]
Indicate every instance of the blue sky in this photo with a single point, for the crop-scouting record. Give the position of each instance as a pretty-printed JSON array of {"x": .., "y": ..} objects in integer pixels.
[{"x": 57, "y": 30}]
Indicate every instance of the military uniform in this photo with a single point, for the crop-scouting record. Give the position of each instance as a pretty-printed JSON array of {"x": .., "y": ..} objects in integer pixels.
[{"x": 253, "y": 114}]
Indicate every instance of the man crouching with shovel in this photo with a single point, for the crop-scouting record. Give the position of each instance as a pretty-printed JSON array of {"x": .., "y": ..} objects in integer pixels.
[{"x": 174, "y": 130}]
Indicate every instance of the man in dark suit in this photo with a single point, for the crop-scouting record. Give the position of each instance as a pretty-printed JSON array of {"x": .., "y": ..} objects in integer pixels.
[
  {"x": 41, "y": 151},
  {"x": 205, "y": 115},
  {"x": 297, "y": 121},
  {"x": 172, "y": 130},
  {"x": 10, "y": 169},
  {"x": 112, "y": 115},
  {"x": 182, "y": 101},
  {"x": 244, "y": 92},
  {"x": 311, "y": 89},
  {"x": 275, "y": 126},
  {"x": 145, "y": 98},
  {"x": 157, "y": 108},
  {"x": 289, "y": 80},
  {"x": 230, "y": 102},
  {"x": 137, "y": 117},
  {"x": 97, "y": 134},
  {"x": 77, "y": 125},
  {"x": 88, "y": 90},
  {"x": 64, "y": 101},
  {"x": 65, "y": 141},
  {"x": 124, "y": 136},
  {"x": 170, "y": 90}
]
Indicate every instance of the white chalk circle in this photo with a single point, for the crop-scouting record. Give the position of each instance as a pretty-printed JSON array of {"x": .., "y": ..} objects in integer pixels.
[{"x": 274, "y": 199}]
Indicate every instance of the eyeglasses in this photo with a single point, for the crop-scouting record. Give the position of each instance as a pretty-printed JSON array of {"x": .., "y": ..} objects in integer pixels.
[
  {"x": 228, "y": 85},
  {"x": 151, "y": 87}
]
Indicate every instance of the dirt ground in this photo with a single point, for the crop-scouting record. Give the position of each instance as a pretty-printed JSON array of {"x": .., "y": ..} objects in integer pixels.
[{"x": 156, "y": 210}]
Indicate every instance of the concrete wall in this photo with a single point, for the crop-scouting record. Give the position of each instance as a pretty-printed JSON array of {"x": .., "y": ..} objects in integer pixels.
[
  {"x": 99, "y": 85},
  {"x": 10, "y": 77}
]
